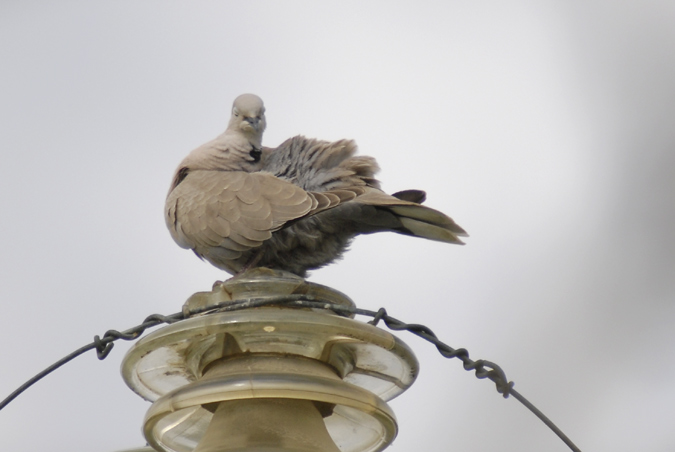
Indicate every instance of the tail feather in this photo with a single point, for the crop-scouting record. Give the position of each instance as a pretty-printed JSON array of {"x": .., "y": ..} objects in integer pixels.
[
  {"x": 374, "y": 211},
  {"x": 430, "y": 216},
  {"x": 416, "y": 196},
  {"x": 429, "y": 231}
]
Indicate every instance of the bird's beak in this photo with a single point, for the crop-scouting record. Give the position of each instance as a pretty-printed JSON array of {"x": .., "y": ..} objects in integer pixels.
[{"x": 255, "y": 123}]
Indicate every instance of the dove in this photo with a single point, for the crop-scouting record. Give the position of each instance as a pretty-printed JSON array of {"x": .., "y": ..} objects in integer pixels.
[{"x": 295, "y": 208}]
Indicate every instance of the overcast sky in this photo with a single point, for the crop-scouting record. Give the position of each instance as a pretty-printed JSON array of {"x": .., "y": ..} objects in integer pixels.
[{"x": 545, "y": 129}]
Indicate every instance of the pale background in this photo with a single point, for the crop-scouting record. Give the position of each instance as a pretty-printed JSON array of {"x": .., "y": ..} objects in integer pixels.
[{"x": 543, "y": 128}]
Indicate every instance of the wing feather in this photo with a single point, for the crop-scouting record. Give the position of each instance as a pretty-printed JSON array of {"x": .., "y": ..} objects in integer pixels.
[{"x": 235, "y": 211}]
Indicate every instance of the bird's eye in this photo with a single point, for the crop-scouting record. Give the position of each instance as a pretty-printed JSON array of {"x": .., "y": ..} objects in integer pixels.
[{"x": 235, "y": 112}]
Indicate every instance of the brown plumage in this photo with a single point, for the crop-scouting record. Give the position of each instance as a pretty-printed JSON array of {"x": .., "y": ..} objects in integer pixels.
[{"x": 293, "y": 208}]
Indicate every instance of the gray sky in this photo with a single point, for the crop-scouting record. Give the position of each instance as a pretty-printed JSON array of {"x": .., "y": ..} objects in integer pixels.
[{"x": 543, "y": 128}]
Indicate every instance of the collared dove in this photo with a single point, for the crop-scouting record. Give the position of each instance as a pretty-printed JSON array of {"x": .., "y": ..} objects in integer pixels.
[{"x": 294, "y": 208}]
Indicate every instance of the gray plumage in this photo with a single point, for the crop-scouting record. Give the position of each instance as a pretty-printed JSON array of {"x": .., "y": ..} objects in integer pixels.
[{"x": 293, "y": 208}]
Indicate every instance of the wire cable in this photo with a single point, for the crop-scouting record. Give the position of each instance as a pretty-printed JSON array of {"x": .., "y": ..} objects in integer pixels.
[
  {"x": 482, "y": 368},
  {"x": 103, "y": 347}
]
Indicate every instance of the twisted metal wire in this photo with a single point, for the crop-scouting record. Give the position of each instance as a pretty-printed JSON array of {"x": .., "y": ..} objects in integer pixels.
[
  {"x": 482, "y": 368},
  {"x": 102, "y": 345}
]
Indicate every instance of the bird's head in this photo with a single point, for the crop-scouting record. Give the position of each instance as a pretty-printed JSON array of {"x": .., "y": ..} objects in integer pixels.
[{"x": 248, "y": 116}]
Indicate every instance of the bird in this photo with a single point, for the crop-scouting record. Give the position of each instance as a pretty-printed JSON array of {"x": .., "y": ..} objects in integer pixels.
[{"x": 295, "y": 208}]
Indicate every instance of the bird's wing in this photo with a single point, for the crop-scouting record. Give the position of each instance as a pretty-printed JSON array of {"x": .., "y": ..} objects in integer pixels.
[
  {"x": 319, "y": 166},
  {"x": 326, "y": 169},
  {"x": 236, "y": 211}
]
